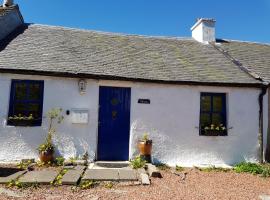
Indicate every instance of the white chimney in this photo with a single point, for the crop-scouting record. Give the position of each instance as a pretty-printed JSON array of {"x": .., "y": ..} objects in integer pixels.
[
  {"x": 8, "y": 3},
  {"x": 204, "y": 30}
]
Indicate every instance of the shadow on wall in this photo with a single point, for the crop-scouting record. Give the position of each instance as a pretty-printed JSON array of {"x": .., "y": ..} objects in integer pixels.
[
  {"x": 71, "y": 147},
  {"x": 19, "y": 142}
]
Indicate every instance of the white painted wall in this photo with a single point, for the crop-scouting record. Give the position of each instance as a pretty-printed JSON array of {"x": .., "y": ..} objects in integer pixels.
[
  {"x": 172, "y": 120},
  {"x": 204, "y": 32}
]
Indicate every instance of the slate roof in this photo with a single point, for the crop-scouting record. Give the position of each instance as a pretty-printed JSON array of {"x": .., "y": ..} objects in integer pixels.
[
  {"x": 254, "y": 56},
  {"x": 72, "y": 52}
]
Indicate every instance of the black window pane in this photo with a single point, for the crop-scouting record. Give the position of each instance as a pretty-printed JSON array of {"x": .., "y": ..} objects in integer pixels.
[
  {"x": 205, "y": 119},
  {"x": 20, "y": 109},
  {"x": 206, "y": 103},
  {"x": 33, "y": 109},
  {"x": 217, "y": 103},
  {"x": 20, "y": 91},
  {"x": 34, "y": 91},
  {"x": 217, "y": 119}
]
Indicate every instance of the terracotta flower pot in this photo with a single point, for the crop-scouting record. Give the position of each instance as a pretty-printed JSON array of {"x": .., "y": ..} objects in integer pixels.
[
  {"x": 46, "y": 156},
  {"x": 145, "y": 147}
]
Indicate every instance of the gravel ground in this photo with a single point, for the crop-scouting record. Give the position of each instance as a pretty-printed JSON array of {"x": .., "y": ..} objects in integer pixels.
[{"x": 197, "y": 185}]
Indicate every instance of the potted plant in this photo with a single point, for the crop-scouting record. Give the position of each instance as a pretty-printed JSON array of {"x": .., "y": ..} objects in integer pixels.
[
  {"x": 145, "y": 147},
  {"x": 46, "y": 149},
  {"x": 214, "y": 130}
]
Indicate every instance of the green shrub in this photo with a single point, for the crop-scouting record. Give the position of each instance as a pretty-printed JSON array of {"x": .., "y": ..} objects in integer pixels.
[
  {"x": 138, "y": 162},
  {"x": 59, "y": 161},
  {"x": 266, "y": 171},
  {"x": 248, "y": 167}
]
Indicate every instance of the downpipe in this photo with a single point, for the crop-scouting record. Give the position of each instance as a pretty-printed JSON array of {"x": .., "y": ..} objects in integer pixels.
[{"x": 260, "y": 136}]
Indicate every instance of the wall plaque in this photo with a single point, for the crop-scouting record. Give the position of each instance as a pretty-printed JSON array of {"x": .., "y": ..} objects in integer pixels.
[{"x": 144, "y": 101}]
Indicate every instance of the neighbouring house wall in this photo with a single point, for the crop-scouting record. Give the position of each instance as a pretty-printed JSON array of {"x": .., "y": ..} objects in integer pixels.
[
  {"x": 172, "y": 121},
  {"x": 10, "y": 21}
]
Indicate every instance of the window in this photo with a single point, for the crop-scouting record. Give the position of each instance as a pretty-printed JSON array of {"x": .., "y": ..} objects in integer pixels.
[
  {"x": 213, "y": 114},
  {"x": 26, "y": 102}
]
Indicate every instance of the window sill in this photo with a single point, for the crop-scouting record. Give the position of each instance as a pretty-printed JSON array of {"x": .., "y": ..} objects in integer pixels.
[
  {"x": 23, "y": 123},
  {"x": 213, "y": 133}
]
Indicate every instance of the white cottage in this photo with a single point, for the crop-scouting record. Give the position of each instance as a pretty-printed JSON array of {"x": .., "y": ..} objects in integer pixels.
[{"x": 113, "y": 88}]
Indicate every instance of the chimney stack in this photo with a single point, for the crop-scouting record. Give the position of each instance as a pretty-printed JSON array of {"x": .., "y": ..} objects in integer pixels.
[
  {"x": 8, "y": 3},
  {"x": 204, "y": 30}
]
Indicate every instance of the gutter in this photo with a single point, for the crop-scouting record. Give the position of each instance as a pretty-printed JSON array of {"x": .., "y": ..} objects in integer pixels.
[{"x": 260, "y": 135}]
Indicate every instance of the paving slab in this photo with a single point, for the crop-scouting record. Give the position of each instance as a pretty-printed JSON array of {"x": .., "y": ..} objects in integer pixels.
[
  {"x": 41, "y": 177},
  {"x": 72, "y": 176},
  {"x": 14, "y": 176},
  {"x": 264, "y": 197},
  {"x": 101, "y": 174},
  {"x": 145, "y": 179},
  {"x": 127, "y": 175}
]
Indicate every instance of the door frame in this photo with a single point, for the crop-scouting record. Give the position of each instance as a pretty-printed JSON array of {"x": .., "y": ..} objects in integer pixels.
[{"x": 97, "y": 135}]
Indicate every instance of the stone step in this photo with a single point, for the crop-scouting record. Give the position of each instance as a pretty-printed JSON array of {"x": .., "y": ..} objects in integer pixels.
[
  {"x": 110, "y": 175},
  {"x": 114, "y": 164}
]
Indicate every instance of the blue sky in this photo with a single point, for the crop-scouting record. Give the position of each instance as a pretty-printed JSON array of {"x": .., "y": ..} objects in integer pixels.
[{"x": 236, "y": 19}]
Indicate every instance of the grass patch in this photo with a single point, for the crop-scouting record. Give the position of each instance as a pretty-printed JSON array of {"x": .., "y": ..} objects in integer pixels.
[
  {"x": 58, "y": 179},
  {"x": 214, "y": 169},
  {"x": 253, "y": 168},
  {"x": 163, "y": 166},
  {"x": 88, "y": 184},
  {"x": 109, "y": 185},
  {"x": 19, "y": 185},
  {"x": 179, "y": 168}
]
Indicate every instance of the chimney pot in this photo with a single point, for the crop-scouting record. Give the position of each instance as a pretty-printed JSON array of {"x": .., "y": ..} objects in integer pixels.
[
  {"x": 204, "y": 30},
  {"x": 8, "y": 3}
]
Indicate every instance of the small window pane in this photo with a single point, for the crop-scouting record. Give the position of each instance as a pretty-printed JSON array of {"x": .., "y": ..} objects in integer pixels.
[
  {"x": 34, "y": 110},
  {"x": 34, "y": 91},
  {"x": 20, "y": 91},
  {"x": 20, "y": 109},
  {"x": 217, "y": 103},
  {"x": 206, "y": 103},
  {"x": 217, "y": 119},
  {"x": 205, "y": 119}
]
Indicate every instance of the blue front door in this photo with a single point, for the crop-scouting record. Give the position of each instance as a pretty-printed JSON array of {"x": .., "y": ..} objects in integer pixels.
[{"x": 114, "y": 124}]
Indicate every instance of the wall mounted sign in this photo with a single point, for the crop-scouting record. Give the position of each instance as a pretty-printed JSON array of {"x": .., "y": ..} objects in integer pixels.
[
  {"x": 79, "y": 116},
  {"x": 144, "y": 101}
]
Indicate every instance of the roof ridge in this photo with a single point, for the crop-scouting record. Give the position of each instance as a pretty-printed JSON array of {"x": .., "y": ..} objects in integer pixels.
[
  {"x": 245, "y": 41},
  {"x": 238, "y": 63},
  {"x": 113, "y": 33}
]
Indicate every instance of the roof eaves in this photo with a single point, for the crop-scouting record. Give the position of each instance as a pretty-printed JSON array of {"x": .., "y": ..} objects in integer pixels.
[{"x": 111, "y": 77}]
